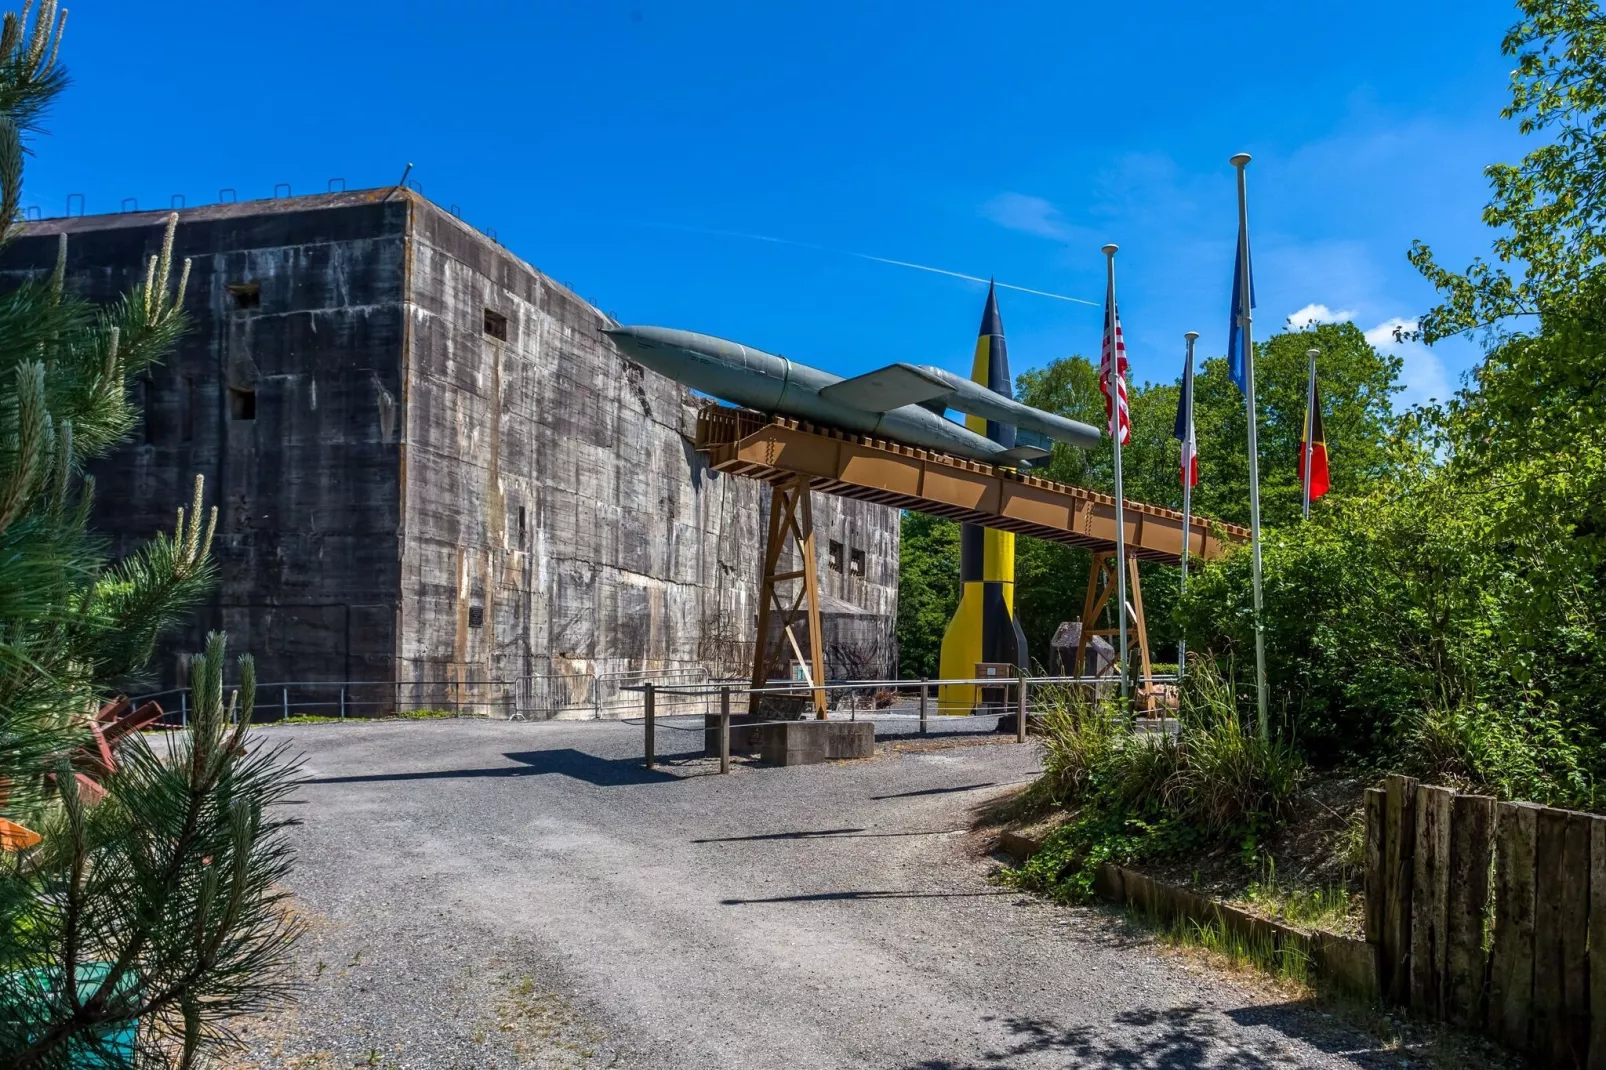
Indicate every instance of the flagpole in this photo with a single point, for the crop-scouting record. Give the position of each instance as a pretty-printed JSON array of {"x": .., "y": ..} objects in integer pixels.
[
  {"x": 1310, "y": 428},
  {"x": 1187, "y": 501},
  {"x": 1110, "y": 322},
  {"x": 1246, "y": 317}
]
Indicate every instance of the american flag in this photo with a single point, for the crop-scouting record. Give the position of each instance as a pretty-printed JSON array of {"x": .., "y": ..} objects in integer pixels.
[{"x": 1119, "y": 374}]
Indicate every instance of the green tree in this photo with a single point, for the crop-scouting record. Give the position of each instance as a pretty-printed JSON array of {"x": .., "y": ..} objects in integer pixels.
[
  {"x": 1357, "y": 384},
  {"x": 146, "y": 917},
  {"x": 928, "y": 591},
  {"x": 1550, "y": 209}
]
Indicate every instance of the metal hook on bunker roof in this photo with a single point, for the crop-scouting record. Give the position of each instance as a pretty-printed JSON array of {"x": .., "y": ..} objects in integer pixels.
[
  {"x": 177, "y": 201},
  {"x": 332, "y": 182},
  {"x": 277, "y": 186},
  {"x": 415, "y": 187},
  {"x": 80, "y": 197},
  {"x": 230, "y": 199},
  {"x": 452, "y": 208},
  {"x": 401, "y": 182},
  {"x": 32, "y": 212},
  {"x": 130, "y": 201}
]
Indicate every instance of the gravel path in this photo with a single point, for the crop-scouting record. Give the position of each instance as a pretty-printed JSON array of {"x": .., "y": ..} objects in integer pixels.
[{"x": 498, "y": 895}]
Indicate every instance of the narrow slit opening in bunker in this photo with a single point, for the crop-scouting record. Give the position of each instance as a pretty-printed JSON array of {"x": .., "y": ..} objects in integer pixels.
[
  {"x": 496, "y": 325},
  {"x": 856, "y": 563},
  {"x": 521, "y": 525},
  {"x": 246, "y": 294},
  {"x": 834, "y": 558},
  {"x": 242, "y": 404}
]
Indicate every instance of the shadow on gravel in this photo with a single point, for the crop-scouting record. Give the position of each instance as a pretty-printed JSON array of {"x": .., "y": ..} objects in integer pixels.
[
  {"x": 565, "y": 761},
  {"x": 935, "y": 791},
  {"x": 835, "y": 834},
  {"x": 856, "y": 897},
  {"x": 1182, "y": 1038}
]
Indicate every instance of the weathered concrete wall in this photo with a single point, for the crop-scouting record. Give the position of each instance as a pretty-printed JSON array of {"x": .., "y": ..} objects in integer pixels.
[
  {"x": 306, "y": 489},
  {"x": 413, "y": 499},
  {"x": 557, "y": 519}
]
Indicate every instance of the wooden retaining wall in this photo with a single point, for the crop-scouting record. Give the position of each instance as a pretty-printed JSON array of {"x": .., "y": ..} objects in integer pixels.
[{"x": 1484, "y": 913}]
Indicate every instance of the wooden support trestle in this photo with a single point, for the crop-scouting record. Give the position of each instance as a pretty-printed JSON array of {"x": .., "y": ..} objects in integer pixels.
[{"x": 791, "y": 520}]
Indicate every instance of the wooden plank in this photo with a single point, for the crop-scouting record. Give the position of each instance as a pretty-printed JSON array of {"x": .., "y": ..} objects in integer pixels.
[
  {"x": 1511, "y": 957},
  {"x": 1549, "y": 878},
  {"x": 1430, "y": 898},
  {"x": 1471, "y": 860},
  {"x": 1571, "y": 1045},
  {"x": 1376, "y": 809},
  {"x": 1400, "y": 841},
  {"x": 1597, "y": 941}
]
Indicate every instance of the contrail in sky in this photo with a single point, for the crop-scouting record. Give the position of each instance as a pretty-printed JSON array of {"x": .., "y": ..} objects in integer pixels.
[{"x": 867, "y": 256}]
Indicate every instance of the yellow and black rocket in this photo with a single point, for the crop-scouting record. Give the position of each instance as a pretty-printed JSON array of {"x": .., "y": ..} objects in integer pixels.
[{"x": 984, "y": 628}]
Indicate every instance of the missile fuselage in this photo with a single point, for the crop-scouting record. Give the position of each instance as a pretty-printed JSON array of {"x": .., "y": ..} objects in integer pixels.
[{"x": 770, "y": 383}]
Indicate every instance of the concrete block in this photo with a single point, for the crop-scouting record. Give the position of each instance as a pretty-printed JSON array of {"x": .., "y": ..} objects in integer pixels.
[{"x": 808, "y": 742}]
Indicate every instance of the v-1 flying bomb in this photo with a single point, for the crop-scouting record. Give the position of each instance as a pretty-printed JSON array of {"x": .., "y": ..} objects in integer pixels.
[{"x": 904, "y": 402}]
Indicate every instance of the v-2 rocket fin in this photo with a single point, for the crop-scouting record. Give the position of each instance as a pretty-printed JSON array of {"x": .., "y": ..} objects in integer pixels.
[
  {"x": 1022, "y": 454},
  {"x": 887, "y": 388}
]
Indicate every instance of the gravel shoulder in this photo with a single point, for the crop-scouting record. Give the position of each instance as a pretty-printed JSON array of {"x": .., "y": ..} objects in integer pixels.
[{"x": 485, "y": 894}]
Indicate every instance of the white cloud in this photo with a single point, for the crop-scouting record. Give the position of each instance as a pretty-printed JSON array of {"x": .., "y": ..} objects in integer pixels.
[
  {"x": 1027, "y": 214},
  {"x": 1423, "y": 374},
  {"x": 1313, "y": 314}
]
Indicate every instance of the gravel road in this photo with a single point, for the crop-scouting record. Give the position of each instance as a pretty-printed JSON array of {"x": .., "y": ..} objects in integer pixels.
[{"x": 485, "y": 894}]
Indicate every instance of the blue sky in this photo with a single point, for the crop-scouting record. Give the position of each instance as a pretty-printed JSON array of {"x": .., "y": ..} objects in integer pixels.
[{"x": 605, "y": 142}]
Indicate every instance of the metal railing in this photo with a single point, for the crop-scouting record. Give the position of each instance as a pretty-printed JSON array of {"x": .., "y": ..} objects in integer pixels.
[
  {"x": 998, "y": 697},
  {"x": 284, "y": 700}
]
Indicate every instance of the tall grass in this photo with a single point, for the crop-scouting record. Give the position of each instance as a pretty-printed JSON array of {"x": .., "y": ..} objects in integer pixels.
[{"x": 1135, "y": 795}]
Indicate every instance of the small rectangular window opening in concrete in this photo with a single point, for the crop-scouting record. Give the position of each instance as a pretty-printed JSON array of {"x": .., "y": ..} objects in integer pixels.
[
  {"x": 476, "y": 616},
  {"x": 856, "y": 563},
  {"x": 242, "y": 404},
  {"x": 521, "y": 525},
  {"x": 834, "y": 559},
  {"x": 496, "y": 325},
  {"x": 246, "y": 294}
]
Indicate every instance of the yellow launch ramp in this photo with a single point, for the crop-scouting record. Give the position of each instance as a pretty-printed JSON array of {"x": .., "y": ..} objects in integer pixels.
[
  {"x": 788, "y": 453},
  {"x": 777, "y": 450}
]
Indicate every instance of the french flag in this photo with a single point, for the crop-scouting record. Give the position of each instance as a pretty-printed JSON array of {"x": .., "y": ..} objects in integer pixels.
[{"x": 1184, "y": 430}]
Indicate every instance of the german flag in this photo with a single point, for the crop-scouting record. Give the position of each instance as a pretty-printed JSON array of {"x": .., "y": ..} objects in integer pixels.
[{"x": 1314, "y": 442}]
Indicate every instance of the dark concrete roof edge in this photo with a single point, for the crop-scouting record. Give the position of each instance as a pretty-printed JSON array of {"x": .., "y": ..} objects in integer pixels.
[
  {"x": 270, "y": 205},
  {"x": 201, "y": 212}
]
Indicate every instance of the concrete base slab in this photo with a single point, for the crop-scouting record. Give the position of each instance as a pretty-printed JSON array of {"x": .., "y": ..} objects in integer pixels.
[{"x": 799, "y": 742}]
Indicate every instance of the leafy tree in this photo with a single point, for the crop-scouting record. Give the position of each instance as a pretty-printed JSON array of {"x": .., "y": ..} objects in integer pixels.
[
  {"x": 145, "y": 916},
  {"x": 1357, "y": 384},
  {"x": 928, "y": 591},
  {"x": 1551, "y": 208}
]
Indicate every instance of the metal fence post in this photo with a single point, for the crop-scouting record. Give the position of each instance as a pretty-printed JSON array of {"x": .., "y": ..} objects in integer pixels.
[
  {"x": 183, "y": 709},
  {"x": 284, "y": 703},
  {"x": 342, "y": 704},
  {"x": 924, "y": 689},
  {"x": 725, "y": 729},
  {"x": 1020, "y": 703},
  {"x": 650, "y": 720}
]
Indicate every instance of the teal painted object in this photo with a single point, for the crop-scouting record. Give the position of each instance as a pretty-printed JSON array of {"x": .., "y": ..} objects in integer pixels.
[{"x": 113, "y": 1049}]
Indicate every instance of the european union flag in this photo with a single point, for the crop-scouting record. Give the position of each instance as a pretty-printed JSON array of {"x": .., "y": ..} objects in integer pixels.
[{"x": 1237, "y": 367}]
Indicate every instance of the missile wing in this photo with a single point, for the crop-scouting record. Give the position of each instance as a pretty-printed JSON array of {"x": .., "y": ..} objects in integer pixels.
[{"x": 902, "y": 384}]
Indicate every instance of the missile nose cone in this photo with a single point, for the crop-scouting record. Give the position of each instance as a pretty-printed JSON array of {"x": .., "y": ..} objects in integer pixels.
[{"x": 635, "y": 341}]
